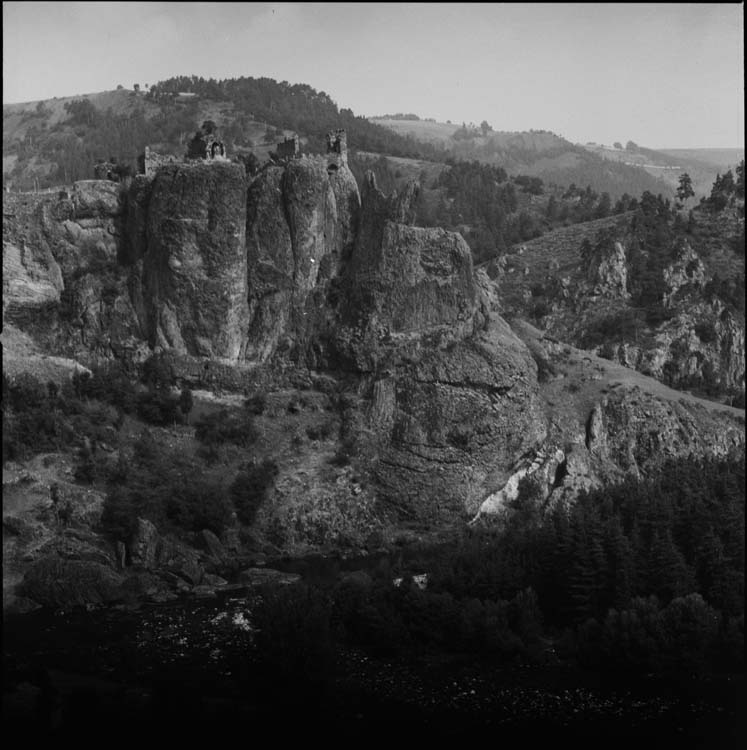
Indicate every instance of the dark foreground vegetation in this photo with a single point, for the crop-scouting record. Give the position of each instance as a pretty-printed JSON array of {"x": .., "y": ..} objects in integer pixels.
[
  {"x": 642, "y": 577},
  {"x": 620, "y": 620}
]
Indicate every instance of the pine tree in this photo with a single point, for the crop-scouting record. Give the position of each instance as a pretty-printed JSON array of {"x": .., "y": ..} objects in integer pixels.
[
  {"x": 668, "y": 574},
  {"x": 685, "y": 189}
]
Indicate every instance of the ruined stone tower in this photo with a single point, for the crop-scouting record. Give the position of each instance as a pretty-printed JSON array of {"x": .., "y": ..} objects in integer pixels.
[
  {"x": 337, "y": 150},
  {"x": 289, "y": 148}
]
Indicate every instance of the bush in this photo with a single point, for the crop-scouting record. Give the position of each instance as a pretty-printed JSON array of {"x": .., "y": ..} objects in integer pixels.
[
  {"x": 226, "y": 426},
  {"x": 256, "y": 404},
  {"x": 347, "y": 450},
  {"x": 167, "y": 489},
  {"x": 194, "y": 504},
  {"x": 249, "y": 489},
  {"x": 706, "y": 333},
  {"x": 321, "y": 432},
  {"x": 159, "y": 407}
]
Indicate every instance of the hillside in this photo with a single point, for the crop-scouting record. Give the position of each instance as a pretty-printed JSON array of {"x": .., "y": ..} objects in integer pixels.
[
  {"x": 536, "y": 153},
  {"x": 643, "y": 288},
  {"x": 59, "y": 141},
  {"x": 668, "y": 164}
]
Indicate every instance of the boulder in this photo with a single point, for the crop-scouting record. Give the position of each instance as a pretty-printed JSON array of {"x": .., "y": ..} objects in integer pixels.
[
  {"x": 144, "y": 544},
  {"x": 56, "y": 582},
  {"x": 176, "y": 557},
  {"x": 213, "y": 546}
]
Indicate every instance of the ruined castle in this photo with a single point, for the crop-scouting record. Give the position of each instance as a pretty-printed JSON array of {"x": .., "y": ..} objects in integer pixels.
[{"x": 215, "y": 150}]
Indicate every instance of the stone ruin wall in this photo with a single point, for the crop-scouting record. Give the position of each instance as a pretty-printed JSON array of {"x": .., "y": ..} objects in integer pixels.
[
  {"x": 154, "y": 160},
  {"x": 289, "y": 148}
]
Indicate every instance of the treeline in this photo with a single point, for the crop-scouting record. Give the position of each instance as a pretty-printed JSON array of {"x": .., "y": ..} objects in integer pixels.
[
  {"x": 301, "y": 108},
  {"x": 90, "y": 136},
  {"x": 647, "y": 576},
  {"x": 491, "y": 209},
  {"x": 577, "y": 166},
  {"x": 726, "y": 190},
  {"x": 85, "y": 411}
]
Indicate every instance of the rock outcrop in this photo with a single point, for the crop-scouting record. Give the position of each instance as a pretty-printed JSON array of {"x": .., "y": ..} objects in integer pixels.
[
  {"x": 451, "y": 398},
  {"x": 608, "y": 271},
  {"x": 440, "y": 407},
  {"x": 195, "y": 265},
  {"x": 301, "y": 224},
  {"x": 56, "y": 582},
  {"x": 405, "y": 288}
]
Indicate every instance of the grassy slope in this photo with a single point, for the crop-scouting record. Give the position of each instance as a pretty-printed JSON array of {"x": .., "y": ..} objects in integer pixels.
[
  {"x": 531, "y": 260},
  {"x": 591, "y": 377},
  {"x": 19, "y": 118}
]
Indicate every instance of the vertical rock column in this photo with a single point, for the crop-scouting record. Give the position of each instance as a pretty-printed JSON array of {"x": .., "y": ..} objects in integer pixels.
[
  {"x": 195, "y": 263},
  {"x": 301, "y": 223}
]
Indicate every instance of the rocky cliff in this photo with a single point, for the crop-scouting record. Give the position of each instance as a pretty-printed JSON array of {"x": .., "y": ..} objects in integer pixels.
[
  {"x": 579, "y": 288},
  {"x": 302, "y": 223},
  {"x": 194, "y": 264},
  {"x": 294, "y": 284}
]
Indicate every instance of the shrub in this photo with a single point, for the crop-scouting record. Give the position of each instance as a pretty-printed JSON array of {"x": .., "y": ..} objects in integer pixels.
[
  {"x": 347, "y": 450},
  {"x": 159, "y": 407},
  {"x": 194, "y": 504},
  {"x": 321, "y": 432},
  {"x": 540, "y": 309},
  {"x": 226, "y": 426},
  {"x": 166, "y": 488},
  {"x": 256, "y": 404},
  {"x": 706, "y": 333},
  {"x": 249, "y": 489}
]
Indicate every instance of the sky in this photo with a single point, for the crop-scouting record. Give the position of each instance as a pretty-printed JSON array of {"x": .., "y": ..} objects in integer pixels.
[{"x": 661, "y": 75}]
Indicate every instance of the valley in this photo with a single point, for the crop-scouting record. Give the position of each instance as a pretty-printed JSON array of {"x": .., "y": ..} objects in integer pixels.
[{"x": 376, "y": 423}]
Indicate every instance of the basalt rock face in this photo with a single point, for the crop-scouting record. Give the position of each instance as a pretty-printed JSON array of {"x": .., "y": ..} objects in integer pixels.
[
  {"x": 634, "y": 432},
  {"x": 301, "y": 223},
  {"x": 607, "y": 270},
  {"x": 695, "y": 341},
  {"x": 405, "y": 287},
  {"x": 449, "y": 424},
  {"x": 450, "y": 393},
  {"x": 195, "y": 265},
  {"x": 701, "y": 348},
  {"x": 62, "y": 279}
]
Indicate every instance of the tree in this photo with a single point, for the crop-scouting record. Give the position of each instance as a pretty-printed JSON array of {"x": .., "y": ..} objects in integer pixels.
[
  {"x": 739, "y": 189},
  {"x": 136, "y": 87},
  {"x": 604, "y": 207},
  {"x": 186, "y": 402},
  {"x": 685, "y": 189},
  {"x": 631, "y": 146},
  {"x": 485, "y": 127},
  {"x": 197, "y": 146},
  {"x": 617, "y": 144}
]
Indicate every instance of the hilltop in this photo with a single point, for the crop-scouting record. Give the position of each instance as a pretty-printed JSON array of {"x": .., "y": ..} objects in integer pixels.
[
  {"x": 59, "y": 141},
  {"x": 668, "y": 164},
  {"x": 537, "y": 153}
]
